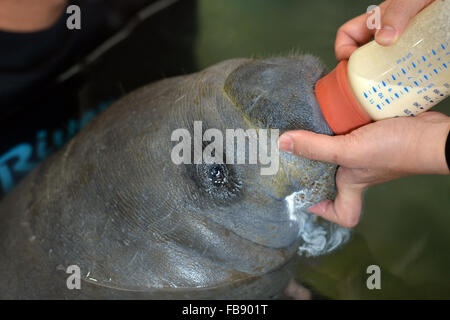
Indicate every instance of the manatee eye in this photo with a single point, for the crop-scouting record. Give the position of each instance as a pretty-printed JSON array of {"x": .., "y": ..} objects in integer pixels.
[
  {"x": 219, "y": 181},
  {"x": 218, "y": 175}
]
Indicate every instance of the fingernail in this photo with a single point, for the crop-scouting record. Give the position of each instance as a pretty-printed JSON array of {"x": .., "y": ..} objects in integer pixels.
[
  {"x": 386, "y": 35},
  {"x": 285, "y": 143}
]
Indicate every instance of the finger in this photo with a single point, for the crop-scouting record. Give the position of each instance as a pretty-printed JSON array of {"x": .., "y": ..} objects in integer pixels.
[
  {"x": 351, "y": 36},
  {"x": 395, "y": 19},
  {"x": 314, "y": 146},
  {"x": 354, "y": 33},
  {"x": 296, "y": 291},
  {"x": 345, "y": 210}
]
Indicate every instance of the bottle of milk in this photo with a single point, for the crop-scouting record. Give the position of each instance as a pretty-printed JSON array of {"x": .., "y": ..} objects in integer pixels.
[{"x": 404, "y": 79}]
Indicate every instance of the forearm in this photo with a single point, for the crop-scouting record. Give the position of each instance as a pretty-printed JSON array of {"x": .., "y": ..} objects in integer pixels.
[{"x": 29, "y": 15}]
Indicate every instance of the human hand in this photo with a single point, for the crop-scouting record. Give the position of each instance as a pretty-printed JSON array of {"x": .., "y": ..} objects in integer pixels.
[
  {"x": 395, "y": 15},
  {"x": 372, "y": 154}
]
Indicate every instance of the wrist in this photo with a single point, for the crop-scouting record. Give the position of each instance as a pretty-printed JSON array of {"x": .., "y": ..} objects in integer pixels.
[
  {"x": 432, "y": 157},
  {"x": 29, "y": 15}
]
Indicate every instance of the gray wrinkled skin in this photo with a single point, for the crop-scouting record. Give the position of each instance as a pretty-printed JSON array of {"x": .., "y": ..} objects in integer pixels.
[{"x": 139, "y": 226}]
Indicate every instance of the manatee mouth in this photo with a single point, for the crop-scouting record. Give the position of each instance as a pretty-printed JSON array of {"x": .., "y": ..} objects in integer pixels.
[
  {"x": 309, "y": 182},
  {"x": 319, "y": 236}
]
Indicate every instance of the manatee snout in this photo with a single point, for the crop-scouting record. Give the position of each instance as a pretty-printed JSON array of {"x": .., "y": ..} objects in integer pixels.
[
  {"x": 139, "y": 225},
  {"x": 279, "y": 93}
]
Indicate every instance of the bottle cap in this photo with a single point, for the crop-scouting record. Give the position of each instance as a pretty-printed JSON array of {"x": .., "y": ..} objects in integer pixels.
[{"x": 339, "y": 107}]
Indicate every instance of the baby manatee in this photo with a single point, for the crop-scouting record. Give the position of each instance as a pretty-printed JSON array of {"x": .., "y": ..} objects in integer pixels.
[{"x": 137, "y": 225}]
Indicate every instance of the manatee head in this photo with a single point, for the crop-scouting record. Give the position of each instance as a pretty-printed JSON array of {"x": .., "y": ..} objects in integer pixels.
[
  {"x": 115, "y": 202},
  {"x": 266, "y": 209}
]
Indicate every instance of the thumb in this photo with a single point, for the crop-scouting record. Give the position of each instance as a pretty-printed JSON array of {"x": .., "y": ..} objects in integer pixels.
[
  {"x": 396, "y": 18},
  {"x": 316, "y": 146},
  {"x": 345, "y": 210}
]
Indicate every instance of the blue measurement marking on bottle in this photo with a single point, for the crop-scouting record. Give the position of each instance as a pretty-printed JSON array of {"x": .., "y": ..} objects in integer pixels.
[{"x": 433, "y": 65}]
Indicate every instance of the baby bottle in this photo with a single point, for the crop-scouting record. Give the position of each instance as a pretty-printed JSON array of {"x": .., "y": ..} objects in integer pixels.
[{"x": 404, "y": 79}]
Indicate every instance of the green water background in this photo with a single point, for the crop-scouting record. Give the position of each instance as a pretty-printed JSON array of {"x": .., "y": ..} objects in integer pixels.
[{"x": 405, "y": 228}]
